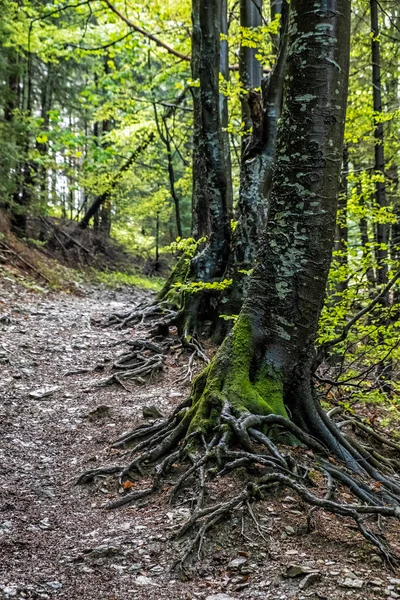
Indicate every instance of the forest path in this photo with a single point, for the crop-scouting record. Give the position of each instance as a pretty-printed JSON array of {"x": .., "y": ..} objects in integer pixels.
[{"x": 56, "y": 541}]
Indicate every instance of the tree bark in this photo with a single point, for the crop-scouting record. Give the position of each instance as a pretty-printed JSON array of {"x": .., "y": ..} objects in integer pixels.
[
  {"x": 382, "y": 229},
  {"x": 211, "y": 185},
  {"x": 260, "y": 112},
  {"x": 342, "y": 232}
]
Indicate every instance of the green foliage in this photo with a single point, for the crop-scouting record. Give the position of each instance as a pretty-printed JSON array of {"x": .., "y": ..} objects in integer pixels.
[
  {"x": 187, "y": 245},
  {"x": 233, "y": 318},
  {"x": 117, "y": 279},
  {"x": 193, "y": 287}
]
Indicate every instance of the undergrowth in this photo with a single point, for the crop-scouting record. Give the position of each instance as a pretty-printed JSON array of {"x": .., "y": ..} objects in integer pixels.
[{"x": 116, "y": 279}]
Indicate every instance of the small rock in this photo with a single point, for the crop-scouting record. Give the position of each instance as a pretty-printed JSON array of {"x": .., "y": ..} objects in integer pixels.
[
  {"x": 377, "y": 582},
  {"x": 55, "y": 585},
  {"x": 375, "y": 559},
  {"x": 290, "y": 530},
  {"x": 44, "y": 392},
  {"x": 353, "y": 583},
  {"x": 220, "y": 597},
  {"x": 10, "y": 591},
  {"x": 151, "y": 412},
  {"x": 238, "y": 562},
  {"x": 394, "y": 581},
  {"x": 296, "y": 570},
  {"x": 145, "y": 581},
  {"x": 309, "y": 580},
  {"x": 349, "y": 574},
  {"x": 101, "y": 551},
  {"x": 5, "y": 527}
]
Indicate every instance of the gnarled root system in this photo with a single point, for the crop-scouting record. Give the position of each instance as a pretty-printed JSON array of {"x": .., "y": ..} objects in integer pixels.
[{"x": 208, "y": 437}]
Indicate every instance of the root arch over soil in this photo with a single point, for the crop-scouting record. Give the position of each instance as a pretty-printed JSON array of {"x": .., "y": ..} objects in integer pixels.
[{"x": 233, "y": 421}]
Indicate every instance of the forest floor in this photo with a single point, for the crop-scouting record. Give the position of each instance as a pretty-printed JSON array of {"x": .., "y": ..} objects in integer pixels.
[{"x": 56, "y": 539}]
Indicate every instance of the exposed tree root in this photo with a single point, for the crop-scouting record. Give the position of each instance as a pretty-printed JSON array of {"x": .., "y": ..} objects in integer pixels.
[
  {"x": 240, "y": 439},
  {"x": 143, "y": 312},
  {"x": 160, "y": 317},
  {"x": 136, "y": 366}
]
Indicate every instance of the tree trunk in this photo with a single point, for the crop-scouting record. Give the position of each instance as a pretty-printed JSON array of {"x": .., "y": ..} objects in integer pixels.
[
  {"x": 342, "y": 232},
  {"x": 43, "y": 147},
  {"x": 260, "y": 111},
  {"x": 250, "y": 68},
  {"x": 223, "y": 106},
  {"x": 9, "y": 164},
  {"x": 264, "y": 366},
  {"x": 212, "y": 196},
  {"x": 165, "y": 137},
  {"x": 382, "y": 229},
  {"x": 105, "y": 211},
  {"x": 26, "y": 194}
]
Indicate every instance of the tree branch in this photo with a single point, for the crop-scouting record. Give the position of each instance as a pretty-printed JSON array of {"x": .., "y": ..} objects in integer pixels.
[
  {"x": 358, "y": 316},
  {"x": 150, "y": 36}
]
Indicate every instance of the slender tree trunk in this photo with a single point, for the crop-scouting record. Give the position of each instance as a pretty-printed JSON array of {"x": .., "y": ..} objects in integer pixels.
[
  {"x": 43, "y": 147},
  {"x": 212, "y": 196},
  {"x": 26, "y": 195},
  {"x": 224, "y": 112},
  {"x": 260, "y": 112},
  {"x": 11, "y": 103},
  {"x": 174, "y": 194},
  {"x": 105, "y": 211},
  {"x": 342, "y": 232},
  {"x": 165, "y": 137},
  {"x": 250, "y": 68},
  {"x": 382, "y": 229}
]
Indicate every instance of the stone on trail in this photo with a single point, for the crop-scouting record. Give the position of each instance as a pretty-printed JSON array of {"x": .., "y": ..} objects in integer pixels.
[
  {"x": 353, "y": 583},
  {"x": 144, "y": 581},
  {"x": 220, "y": 597},
  {"x": 297, "y": 570},
  {"x": 238, "y": 562},
  {"x": 44, "y": 392},
  {"x": 309, "y": 580}
]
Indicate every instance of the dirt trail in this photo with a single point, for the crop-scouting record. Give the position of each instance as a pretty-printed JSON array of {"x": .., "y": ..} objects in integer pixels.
[{"x": 56, "y": 540}]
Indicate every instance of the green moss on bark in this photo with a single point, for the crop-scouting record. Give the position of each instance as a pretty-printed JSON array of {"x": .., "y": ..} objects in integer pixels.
[{"x": 227, "y": 379}]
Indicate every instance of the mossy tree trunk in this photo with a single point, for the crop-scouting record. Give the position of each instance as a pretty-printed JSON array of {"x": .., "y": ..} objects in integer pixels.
[{"x": 271, "y": 347}]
